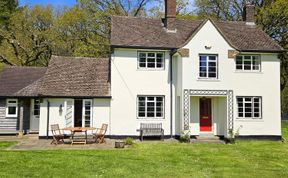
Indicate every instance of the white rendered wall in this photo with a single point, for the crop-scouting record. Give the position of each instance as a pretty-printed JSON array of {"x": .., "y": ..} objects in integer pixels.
[
  {"x": 127, "y": 82},
  {"x": 265, "y": 83},
  {"x": 100, "y": 114}
]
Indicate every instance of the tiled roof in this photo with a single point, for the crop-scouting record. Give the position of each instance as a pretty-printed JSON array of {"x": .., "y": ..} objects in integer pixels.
[
  {"x": 147, "y": 32},
  {"x": 247, "y": 37},
  {"x": 150, "y": 33},
  {"x": 13, "y": 79},
  {"x": 76, "y": 77}
]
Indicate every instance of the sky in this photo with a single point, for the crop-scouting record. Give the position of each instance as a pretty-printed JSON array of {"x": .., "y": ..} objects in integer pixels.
[{"x": 68, "y": 3}]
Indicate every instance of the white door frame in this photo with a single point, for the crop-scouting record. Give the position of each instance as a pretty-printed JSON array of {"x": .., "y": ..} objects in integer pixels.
[{"x": 84, "y": 110}]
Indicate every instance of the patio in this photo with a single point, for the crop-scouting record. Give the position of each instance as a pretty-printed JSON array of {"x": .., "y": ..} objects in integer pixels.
[{"x": 31, "y": 142}]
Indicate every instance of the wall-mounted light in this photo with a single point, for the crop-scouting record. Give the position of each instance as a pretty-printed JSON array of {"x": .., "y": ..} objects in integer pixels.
[{"x": 208, "y": 45}]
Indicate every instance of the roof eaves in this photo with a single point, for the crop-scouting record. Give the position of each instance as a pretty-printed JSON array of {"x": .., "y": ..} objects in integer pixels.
[{"x": 142, "y": 47}]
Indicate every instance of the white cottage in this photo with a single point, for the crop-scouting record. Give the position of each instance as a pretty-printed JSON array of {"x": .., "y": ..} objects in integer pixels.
[{"x": 204, "y": 76}]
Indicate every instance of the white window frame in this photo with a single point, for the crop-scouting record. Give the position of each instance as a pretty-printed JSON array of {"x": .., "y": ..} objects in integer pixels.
[
  {"x": 155, "y": 107},
  {"x": 84, "y": 114},
  {"x": 258, "y": 57},
  {"x": 253, "y": 102},
  {"x": 11, "y": 105},
  {"x": 155, "y": 60},
  {"x": 208, "y": 60}
]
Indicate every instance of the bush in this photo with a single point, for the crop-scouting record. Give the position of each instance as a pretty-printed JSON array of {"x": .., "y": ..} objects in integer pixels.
[
  {"x": 185, "y": 136},
  {"x": 129, "y": 141}
]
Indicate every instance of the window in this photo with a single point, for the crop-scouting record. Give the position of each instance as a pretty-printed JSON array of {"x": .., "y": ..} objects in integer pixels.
[
  {"x": 249, "y": 107},
  {"x": 208, "y": 66},
  {"x": 87, "y": 113},
  {"x": 150, "y": 107},
  {"x": 248, "y": 62},
  {"x": 151, "y": 60},
  {"x": 12, "y": 108},
  {"x": 36, "y": 109}
]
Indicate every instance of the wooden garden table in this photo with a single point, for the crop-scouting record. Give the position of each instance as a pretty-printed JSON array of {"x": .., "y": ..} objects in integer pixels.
[{"x": 74, "y": 130}]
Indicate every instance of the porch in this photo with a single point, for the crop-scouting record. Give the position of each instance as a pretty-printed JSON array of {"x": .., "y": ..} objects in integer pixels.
[{"x": 208, "y": 112}]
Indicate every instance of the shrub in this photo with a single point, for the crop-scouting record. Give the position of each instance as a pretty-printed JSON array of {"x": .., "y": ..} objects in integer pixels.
[
  {"x": 185, "y": 136},
  {"x": 129, "y": 141}
]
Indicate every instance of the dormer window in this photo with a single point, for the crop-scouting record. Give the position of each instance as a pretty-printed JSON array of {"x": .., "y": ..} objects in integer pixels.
[
  {"x": 248, "y": 63},
  {"x": 151, "y": 60}
]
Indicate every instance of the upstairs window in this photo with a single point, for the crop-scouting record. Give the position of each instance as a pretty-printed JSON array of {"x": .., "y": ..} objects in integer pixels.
[
  {"x": 248, "y": 63},
  {"x": 151, "y": 60},
  {"x": 208, "y": 66},
  {"x": 11, "y": 108},
  {"x": 249, "y": 107}
]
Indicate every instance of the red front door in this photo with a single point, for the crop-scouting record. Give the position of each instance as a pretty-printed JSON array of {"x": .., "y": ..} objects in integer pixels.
[{"x": 205, "y": 115}]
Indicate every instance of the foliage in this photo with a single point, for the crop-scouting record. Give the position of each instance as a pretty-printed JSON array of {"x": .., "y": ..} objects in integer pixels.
[
  {"x": 26, "y": 42},
  {"x": 185, "y": 136},
  {"x": 153, "y": 159},
  {"x": 129, "y": 141},
  {"x": 78, "y": 33},
  {"x": 7, "y": 8}
]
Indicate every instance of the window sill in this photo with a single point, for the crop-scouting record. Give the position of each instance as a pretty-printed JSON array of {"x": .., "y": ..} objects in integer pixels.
[
  {"x": 208, "y": 79},
  {"x": 248, "y": 71},
  {"x": 249, "y": 120},
  {"x": 150, "y": 119},
  {"x": 139, "y": 69},
  {"x": 11, "y": 116}
]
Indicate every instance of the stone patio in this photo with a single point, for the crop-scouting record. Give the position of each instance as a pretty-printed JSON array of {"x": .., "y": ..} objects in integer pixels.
[{"x": 31, "y": 142}]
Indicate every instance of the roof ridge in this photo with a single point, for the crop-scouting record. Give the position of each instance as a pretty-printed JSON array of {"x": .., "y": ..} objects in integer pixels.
[
  {"x": 135, "y": 17},
  {"x": 35, "y": 67},
  {"x": 78, "y": 57}
]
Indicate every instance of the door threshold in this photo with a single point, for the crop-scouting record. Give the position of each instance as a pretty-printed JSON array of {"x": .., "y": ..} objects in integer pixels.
[{"x": 33, "y": 132}]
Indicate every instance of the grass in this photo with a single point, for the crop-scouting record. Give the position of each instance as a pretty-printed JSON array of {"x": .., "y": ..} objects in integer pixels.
[
  {"x": 150, "y": 159},
  {"x": 6, "y": 144}
]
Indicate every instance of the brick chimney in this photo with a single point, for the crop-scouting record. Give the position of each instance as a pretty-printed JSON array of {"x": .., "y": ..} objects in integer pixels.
[
  {"x": 249, "y": 13},
  {"x": 170, "y": 15}
]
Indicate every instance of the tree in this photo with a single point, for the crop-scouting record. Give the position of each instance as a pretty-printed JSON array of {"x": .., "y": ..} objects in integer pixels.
[
  {"x": 26, "y": 40},
  {"x": 78, "y": 33},
  {"x": 7, "y": 7}
]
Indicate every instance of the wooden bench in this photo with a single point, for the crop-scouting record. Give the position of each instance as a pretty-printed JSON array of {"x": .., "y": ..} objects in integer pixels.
[{"x": 151, "y": 129}]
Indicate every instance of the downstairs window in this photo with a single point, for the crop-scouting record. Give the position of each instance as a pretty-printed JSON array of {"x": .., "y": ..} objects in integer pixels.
[
  {"x": 11, "y": 107},
  {"x": 151, "y": 107},
  {"x": 249, "y": 107}
]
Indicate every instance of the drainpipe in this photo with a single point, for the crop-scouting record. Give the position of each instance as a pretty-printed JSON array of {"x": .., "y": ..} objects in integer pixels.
[
  {"x": 48, "y": 112},
  {"x": 172, "y": 52}
]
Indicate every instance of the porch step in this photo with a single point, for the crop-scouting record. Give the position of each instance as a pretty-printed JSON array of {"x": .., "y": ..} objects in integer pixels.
[{"x": 207, "y": 139}]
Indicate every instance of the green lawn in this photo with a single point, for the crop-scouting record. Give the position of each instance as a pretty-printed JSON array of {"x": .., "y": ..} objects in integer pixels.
[{"x": 150, "y": 159}]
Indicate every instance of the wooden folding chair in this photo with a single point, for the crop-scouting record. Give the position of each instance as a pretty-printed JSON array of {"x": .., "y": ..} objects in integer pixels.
[
  {"x": 58, "y": 136},
  {"x": 100, "y": 134}
]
